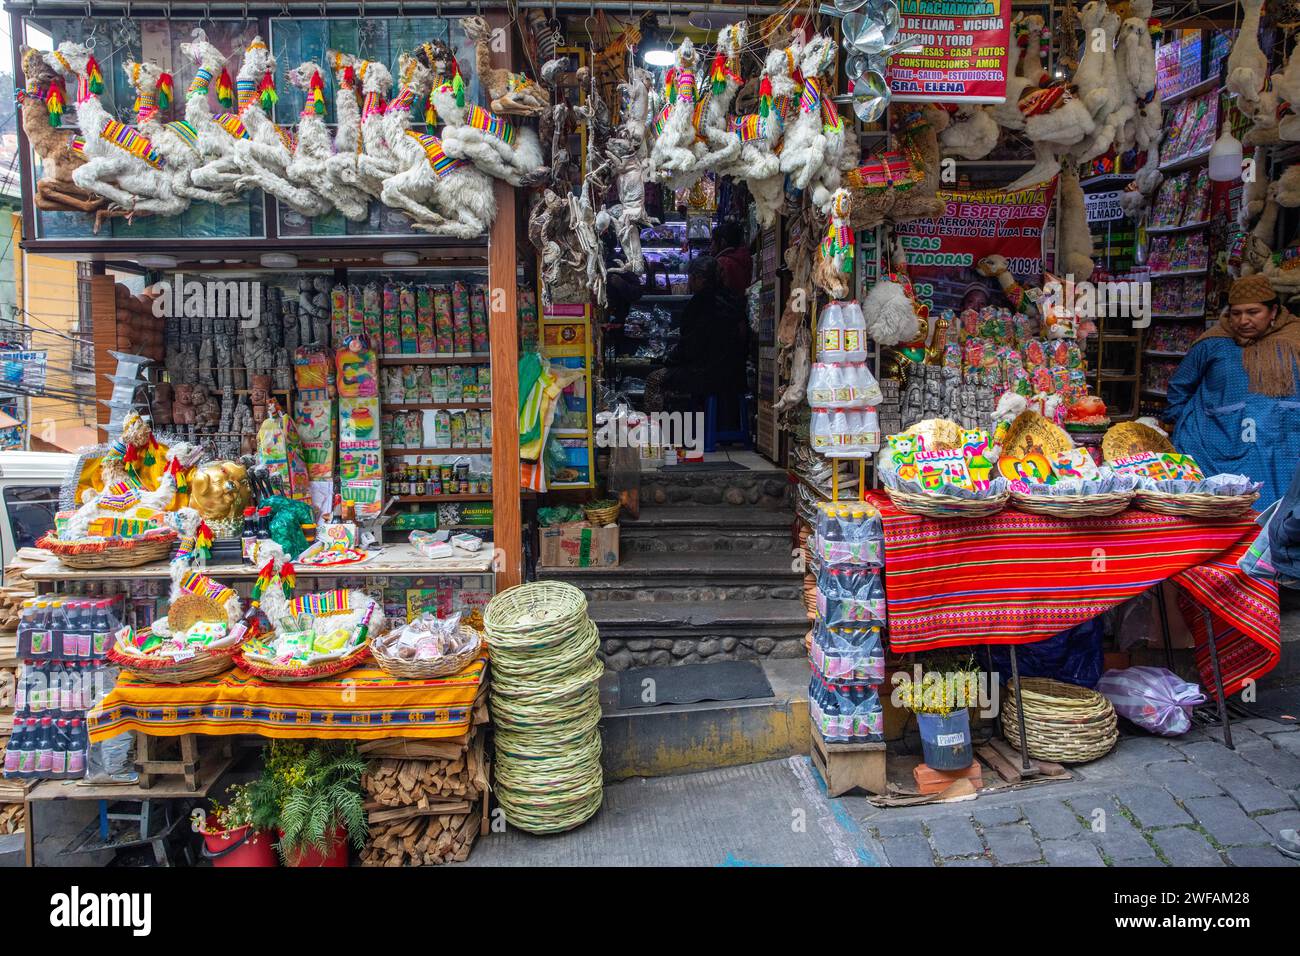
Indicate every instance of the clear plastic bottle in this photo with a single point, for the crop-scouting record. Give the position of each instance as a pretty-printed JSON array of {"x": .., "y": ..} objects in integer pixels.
[{"x": 59, "y": 750}]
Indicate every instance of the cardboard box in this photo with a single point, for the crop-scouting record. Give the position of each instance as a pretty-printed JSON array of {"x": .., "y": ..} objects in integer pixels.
[{"x": 579, "y": 545}]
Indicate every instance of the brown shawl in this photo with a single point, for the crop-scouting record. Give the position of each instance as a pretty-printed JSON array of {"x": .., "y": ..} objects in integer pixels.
[{"x": 1270, "y": 360}]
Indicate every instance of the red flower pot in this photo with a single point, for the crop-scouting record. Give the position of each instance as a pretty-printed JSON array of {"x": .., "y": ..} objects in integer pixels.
[
  {"x": 310, "y": 856},
  {"x": 238, "y": 847}
]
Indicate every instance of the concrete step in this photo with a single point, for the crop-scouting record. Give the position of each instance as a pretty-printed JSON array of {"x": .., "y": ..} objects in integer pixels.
[
  {"x": 689, "y": 527},
  {"x": 684, "y": 738},
  {"x": 643, "y": 633},
  {"x": 686, "y": 576},
  {"x": 767, "y": 488}
]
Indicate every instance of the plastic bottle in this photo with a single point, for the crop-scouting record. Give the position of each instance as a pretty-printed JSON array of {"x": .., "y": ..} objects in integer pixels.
[
  {"x": 70, "y": 689},
  {"x": 102, "y": 628},
  {"x": 85, "y": 624},
  {"x": 45, "y": 747},
  {"x": 59, "y": 753},
  {"x": 58, "y": 627},
  {"x": 27, "y": 753},
  {"x": 37, "y": 688},
  {"x": 77, "y": 746},
  {"x": 40, "y": 635},
  {"x": 13, "y": 750},
  {"x": 20, "y": 691},
  {"x": 854, "y": 325}
]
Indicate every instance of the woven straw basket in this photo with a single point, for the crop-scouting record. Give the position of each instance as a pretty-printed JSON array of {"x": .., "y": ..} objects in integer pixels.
[
  {"x": 429, "y": 668},
  {"x": 946, "y": 506},
  {"x": 602, "y": 516},
  {"x": 1203, "y": 507},
  {"x": 1073, "y": 506},
  {"x": 1064, "y": 723},
  {"x": 123, "y": 553},
  {"x": 163, "y": 670}
]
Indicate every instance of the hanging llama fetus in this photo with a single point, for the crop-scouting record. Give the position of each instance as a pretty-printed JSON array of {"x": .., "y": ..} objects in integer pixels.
[
  {"x": 760, "y": 133},
  {"x": 672, "y": 155},
  {"x": 177, "y": 141},
  {"x": 314, "y": 147},
  {"x": 42, "y": 103},
  {"x": 508, "y": 151},
  {"x": 367, "y": 168},
  {"x": 626, "y": 150},
  {"x": 443, "y": 196},
  {"x": 510, "y": 94},
  {"x": 814, "y": 139},
  {"x": 834, "y": 270},
  {"x": 341, "y": 168},
  {"x": 267, "y": 151},
  {"x": 217, "y": 133},
  {"x": 121, "y": 164},
  {"x": 717, "y": 146}
]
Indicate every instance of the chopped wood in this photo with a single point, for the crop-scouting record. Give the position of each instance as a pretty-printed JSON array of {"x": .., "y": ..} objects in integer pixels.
[{"x": 1005, "y": 768}]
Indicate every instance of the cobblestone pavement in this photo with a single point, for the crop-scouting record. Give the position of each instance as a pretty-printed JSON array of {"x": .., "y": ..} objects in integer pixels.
[{"x": 1151, "y": 802}]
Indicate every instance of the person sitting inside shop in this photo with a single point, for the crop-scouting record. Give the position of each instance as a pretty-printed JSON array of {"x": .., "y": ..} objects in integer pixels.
[
  {"x": 709, "y": 358},
  {"x": 1235, "y": 400},
  {"x": 735, "y": 264}
]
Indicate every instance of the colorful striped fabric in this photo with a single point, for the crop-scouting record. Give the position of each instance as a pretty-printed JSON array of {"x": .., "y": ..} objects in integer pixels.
[
  {"x": 749, "y": 127},
  {"x": 442, "y": 163},
  {"x": 130, "y": 139},
  {"x": 185, "y": 131},
  {"x": 232, "y": 124},
  {"x": 479, "y": 118},
  {"x": 1017, "y": 578},
  {"x": 361, "y": 704}
]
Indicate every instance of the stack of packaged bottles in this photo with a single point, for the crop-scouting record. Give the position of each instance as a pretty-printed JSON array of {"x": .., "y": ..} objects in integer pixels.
[
  {"x": 842, "y": 392},
  {"x": 847, "y": 647},
  {"x": 62, "y": 641}
]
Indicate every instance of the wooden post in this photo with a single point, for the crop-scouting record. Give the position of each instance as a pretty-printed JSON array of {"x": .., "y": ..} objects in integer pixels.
[
  {"x": 103, "y": 317},
  {"x": 503, "y": 334}
]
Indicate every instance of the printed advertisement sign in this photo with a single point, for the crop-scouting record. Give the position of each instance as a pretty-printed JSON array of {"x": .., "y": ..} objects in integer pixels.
[{"x": 965, "y": 56}]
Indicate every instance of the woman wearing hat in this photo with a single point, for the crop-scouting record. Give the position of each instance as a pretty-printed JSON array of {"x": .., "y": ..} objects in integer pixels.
[{"x": 1235, "y": 399}]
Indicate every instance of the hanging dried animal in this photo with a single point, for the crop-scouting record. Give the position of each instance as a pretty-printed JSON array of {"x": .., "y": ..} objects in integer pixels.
[
  {"x": 509, "y": 151},
  {"x": 176, "y": 142},
  {"x": 672, "y": 157},
  {"x": 626, "y": 150},
  {"x": 814, "y": 139},
  {"x": 42, "y": 110},
  {"x": 122, "y": 164},
  {"x": 834, "y": 271},
  {"x": 513, "y": 94},
  {"x": 716, "y": 145},
  {"x": 314, "y": 147},
  {"x": 443, "y": 196}
]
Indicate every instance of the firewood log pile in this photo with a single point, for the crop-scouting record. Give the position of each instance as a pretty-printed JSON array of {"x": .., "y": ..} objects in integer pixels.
[
  {"x": 426, "y": 800},
  {"x": 11, "y": 818}
]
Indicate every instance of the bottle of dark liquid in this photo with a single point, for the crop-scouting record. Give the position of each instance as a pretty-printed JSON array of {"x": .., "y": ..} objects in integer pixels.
[
  {"x": 13, "y": 749},
  {"x": 249, "y": 532},
  {"x": 27, "y": 753},
  {"x": 59, "y": 751},
  {"x": 45, "y": 747},
  {"x": 264, "y": 522},
  {"x": 78, "y": 743}
]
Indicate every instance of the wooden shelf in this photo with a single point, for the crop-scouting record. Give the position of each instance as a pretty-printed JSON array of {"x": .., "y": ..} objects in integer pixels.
[
  {"x": 1196, "y": 89},
  {"x": 1185, "y": 162},
  {"x": 1106, "y": 179},
  {"x": 1177, "y": 315},
  {"x": 438, "y": 499},
  {"x": 1186, "y": 227},
  {"x": 405, "y": 452},
  {"x": 436, "y": 406},
  {"x": 414, "y": 359},
  {"x": 1177, "y": 273},
  {"x": 1156, "y": 353}
]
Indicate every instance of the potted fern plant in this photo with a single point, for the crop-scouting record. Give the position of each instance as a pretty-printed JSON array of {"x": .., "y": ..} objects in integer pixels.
[{"x": 315, "y": 795}]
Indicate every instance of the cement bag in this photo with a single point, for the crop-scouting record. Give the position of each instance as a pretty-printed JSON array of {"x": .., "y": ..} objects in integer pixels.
[{"x": 1153, "y": 698}]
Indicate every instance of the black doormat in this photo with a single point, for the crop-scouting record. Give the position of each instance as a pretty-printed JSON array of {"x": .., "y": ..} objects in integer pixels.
[
  {"x": 690, "y": 683},
  {"x": 703, "y": 466}
]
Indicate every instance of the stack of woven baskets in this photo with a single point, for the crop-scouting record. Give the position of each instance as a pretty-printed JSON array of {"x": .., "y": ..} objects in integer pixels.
[
  {"x": 545, "y": 703},
  {"x": 1064, "y": 723}
]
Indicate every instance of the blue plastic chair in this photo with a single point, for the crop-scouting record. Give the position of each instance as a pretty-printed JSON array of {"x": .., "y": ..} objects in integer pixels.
[{"x": 711, "y": 434}]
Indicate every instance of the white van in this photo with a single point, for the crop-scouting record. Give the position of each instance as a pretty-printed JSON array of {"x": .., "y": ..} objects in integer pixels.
[{"x": 29, "y": 490}]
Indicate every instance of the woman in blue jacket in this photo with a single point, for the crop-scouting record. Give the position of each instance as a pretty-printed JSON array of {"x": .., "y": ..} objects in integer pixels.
[{"x": 1235, "y": 399}]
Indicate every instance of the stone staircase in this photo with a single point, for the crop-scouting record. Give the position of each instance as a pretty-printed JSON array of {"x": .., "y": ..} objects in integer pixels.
[{"x": 700, "y": 580}]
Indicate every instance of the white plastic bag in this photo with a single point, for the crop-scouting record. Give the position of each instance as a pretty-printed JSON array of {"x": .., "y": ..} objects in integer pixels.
[{"x": 1154, "y": 698}]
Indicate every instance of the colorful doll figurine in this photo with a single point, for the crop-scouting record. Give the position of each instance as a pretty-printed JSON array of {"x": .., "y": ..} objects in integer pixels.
[
  {"x": 903, "y": 455},
  {"x": 974, "y": 447}
]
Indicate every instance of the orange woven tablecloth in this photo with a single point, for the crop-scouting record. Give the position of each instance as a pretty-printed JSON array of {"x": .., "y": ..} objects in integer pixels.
[{"x": 361, "y": 704}]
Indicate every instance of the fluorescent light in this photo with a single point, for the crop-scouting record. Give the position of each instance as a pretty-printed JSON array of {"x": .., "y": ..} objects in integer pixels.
[
  {"x": 279, "y": 260},
  {"x": 400, "y": 257},
  {"x": 156, "y": 260},
  {"x": 660, "y": 56}
]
